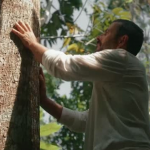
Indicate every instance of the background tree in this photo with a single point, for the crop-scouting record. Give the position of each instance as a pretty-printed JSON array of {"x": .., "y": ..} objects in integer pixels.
[{"x": 19, "y": 95}]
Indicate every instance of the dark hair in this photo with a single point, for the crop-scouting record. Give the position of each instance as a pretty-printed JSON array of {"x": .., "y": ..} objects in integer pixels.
[{"x": 134, "y": 33}]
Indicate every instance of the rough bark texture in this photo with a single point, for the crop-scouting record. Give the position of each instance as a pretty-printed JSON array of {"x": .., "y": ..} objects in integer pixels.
[{"x": 19, "y": 98}]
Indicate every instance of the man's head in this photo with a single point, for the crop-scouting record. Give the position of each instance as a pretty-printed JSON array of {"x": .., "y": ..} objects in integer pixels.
[{"x": 121, "y": 34}]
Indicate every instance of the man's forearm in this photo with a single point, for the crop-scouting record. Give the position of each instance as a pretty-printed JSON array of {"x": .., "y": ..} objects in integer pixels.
[
  {"x": 52, "y": 108},
  {"x": 37, "y": 50}
]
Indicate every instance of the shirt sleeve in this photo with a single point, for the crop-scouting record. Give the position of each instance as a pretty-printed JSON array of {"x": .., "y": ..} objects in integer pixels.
[
  {"x": 106, "y": 65},
  {"x": 74, "y": 120}
]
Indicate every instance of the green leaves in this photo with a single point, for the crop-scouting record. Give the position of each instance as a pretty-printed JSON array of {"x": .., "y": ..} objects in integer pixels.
[
  {"x": 46, "y": 130},
  {"x": 129, "y": 1},
  {"x": 125, "y": 15},
  {"x": 41, "y": 114},
  {"x": 72, "y": 47},
  {"x": 76, "y": 3},
  {"x": 49, "y": 129},
  {"x": 66, "y": 42},
  {"x": 46, "y": 146},
  {"x": 117, "y": 10},
  {"x": 59, "y": 19},
  {"x": 121, "y": 13}
]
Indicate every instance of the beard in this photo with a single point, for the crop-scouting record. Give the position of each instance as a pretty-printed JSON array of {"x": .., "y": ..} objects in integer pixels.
[{"x": 99, "y": 47}]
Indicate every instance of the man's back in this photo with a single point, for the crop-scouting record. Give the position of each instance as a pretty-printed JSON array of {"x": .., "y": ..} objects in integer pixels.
[{"x": 118, "y": 116}]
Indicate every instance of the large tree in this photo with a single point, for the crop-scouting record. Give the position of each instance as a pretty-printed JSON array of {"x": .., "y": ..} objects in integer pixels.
[{"x": 19, "y": 98}]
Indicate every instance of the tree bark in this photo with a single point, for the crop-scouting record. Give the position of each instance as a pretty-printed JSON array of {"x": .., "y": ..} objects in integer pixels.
[{"x": 19, "y": 95}]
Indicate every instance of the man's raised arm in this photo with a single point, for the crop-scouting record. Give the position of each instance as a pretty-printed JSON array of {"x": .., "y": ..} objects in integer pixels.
[
  {"x": 74, "y": 120},
  {"x": 107, "y": 65}
]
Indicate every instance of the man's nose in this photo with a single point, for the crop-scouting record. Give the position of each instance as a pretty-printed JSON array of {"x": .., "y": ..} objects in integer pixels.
[{"x": 99, "y": 37}]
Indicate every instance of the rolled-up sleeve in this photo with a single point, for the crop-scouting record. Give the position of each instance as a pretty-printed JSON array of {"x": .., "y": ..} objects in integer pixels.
[
  {"x": 107, "y": 65},
  {"x": 74, "y": 120}
]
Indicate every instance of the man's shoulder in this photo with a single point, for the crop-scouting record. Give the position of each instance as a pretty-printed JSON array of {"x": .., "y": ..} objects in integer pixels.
[
  {"x": 113, "y": 54},
  {"x": 119, "y": 52}
]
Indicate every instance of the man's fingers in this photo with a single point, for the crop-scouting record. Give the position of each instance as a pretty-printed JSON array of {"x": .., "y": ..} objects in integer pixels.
[
  {"x": 42, "y": 82},
  {"x": 17, "y": 33},
  {"x": 28, "y": 26},
  {"x": 41, "y": 73},
  {"x": 19, "y": 28},
  {"x": 23, "y": 26},
  {"x": 41, "y": 78}
]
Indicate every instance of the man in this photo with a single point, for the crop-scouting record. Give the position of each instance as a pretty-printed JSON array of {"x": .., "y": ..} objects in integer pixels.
[{"x": 118, "y": 115}]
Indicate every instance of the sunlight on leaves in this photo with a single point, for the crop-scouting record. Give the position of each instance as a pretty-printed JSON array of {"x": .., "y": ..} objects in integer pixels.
[
  {"x": 117, "y": 10},
  {"x": 41, "y": 114},
  {"x": 66, "y": 42},
  {"x": 125, "y": 15},
  {"x": 49, "y": 129},
  {"x": 129, "y": 1},
  {"x": 73, "y": 47},
  {"x": 46, "y": 146}
]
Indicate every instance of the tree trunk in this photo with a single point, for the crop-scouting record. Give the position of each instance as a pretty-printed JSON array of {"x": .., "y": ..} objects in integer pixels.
[{"x": 19, "y": 96}]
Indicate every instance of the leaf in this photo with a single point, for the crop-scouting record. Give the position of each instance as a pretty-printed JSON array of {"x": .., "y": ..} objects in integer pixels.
[
  {"x": 73, "y": 47},
  {"x": 67, "y": 138},
  {"x": 41, "y": 114},
  {"x": 69, "y": 25},
  {"x": 128, "y": 1},
  {"x": 97, "y": 9},
  {"x": 66, "y": 42},
  {"x": 76, "y": 3},
  {"x": 101, "y": 3},
  {"x": 71, "y": 30},
  {"x": 49, "y": 129},
  {"x": 125, "y": 15},
  {"x": 117, "y": 10},
  {"x": 81, "y": 106},
  {"x": 81, "y": 50},
  {"x": 46, "y": 146}
]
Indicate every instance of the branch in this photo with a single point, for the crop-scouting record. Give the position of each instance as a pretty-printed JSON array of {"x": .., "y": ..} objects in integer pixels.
[
  {"x": 89, "y": 42},
  {"x": 80, "y": 11},
  {"x": 47, "y": 15},
  {"x": 84, "y": 42},
  {"x": 66, "y": 36}
]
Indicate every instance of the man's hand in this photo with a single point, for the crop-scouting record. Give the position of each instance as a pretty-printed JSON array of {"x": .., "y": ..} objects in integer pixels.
[
  {"x": 47, "y": 104},
  {"x": 25, "y": 33},
  {"x": 42, "y": 88}
]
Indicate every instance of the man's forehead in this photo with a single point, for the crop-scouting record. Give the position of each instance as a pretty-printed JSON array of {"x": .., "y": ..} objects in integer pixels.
[{"x": 114, "y": 26}]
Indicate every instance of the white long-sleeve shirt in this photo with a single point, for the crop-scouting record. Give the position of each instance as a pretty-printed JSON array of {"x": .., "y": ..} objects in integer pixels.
[{"x": 118, "y": 115}]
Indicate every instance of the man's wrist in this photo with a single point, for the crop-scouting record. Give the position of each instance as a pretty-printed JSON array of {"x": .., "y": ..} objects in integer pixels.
[
  {"x": 38, "y": 50},
  {"x": 44, "y": 101},
  {"x": 32, "y": 45},
  {"x": 52, "y": 107}
]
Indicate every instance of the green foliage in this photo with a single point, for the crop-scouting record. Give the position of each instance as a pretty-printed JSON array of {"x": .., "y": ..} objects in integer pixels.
[
  {"x": 101, "y": 18},
  {"x": 49, "y": 129},
  {"x": 41, "y": 114},
  {"x": 47, "y": 146},
  {"x": 59, "y": 19},
  {"x": 129, "y": 1}
]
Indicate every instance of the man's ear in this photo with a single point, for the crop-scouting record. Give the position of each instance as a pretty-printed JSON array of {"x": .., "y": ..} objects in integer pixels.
[{"x": 122, "y": 42}]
